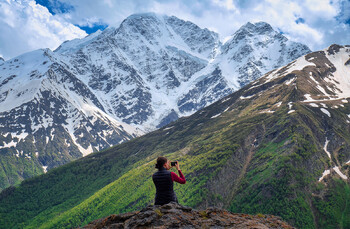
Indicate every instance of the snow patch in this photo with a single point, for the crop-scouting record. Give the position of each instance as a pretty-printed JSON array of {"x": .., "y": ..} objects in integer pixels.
[
  {"x": 14, "y": 143},
  {"x": 247, "y": 97},
  {"x": 337, "y": 170},
  {"x": 340, "y": 76},
  {"x": 290, "y": 81},
  {"x": 326, "y": 112},
  {"x": 9, "y": 145},
  {"x": 313, "y": 104},
  {"x": 224, "y": 100},
  {"x": 299, "y": 64},
  {"x": 325, "y": 173},
  {"x": 168, "y": 128},
  {"x": 322, "y": 90},
  {"x": 267, "y": 111},
  {"x": 308, "y": 98},
  {"x": 45, "y": 168},
  {"x": 217, "y": 115},
  {"x": 313, "y": 79},
  {"x": 325, "y": 148},
  {"x": 85, "y": 151}
]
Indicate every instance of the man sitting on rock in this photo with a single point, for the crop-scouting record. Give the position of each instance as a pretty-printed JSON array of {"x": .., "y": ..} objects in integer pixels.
[{"x": 164, "y": 181}]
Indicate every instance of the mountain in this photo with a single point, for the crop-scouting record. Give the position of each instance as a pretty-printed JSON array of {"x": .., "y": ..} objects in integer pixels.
[
  {"x": 142, "y": 67},
  {"x": 254, "y": 50},
  {"x": 49, "y": 117},
  {"x": 119, "y": 83},
  {"x": 173, "y": 215},
  {"x": 280, "y": 145}
]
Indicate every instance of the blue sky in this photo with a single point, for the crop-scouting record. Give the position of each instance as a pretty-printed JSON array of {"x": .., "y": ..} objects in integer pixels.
[{"x": 26, "y": 25}]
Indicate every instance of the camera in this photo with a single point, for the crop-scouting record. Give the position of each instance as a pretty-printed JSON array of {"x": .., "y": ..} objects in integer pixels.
[{"x": 173, "y": 163}]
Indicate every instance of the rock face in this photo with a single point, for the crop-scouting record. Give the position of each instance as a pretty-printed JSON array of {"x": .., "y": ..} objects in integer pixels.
[{"x": 173, "y": 215}]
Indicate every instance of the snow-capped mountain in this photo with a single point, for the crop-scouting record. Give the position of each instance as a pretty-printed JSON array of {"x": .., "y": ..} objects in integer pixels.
[
  {"x": 141, "y": 68},
  {"x": 49, "y": 117},
  {"x": 153, "y": 69},
  {"x": 256, "y": 49},
  {"x": 118, "y": 83},
  {"x": 252, "y": 51}
]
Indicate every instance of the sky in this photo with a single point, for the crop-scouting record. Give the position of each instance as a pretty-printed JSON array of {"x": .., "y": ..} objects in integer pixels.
[{"x": 27, "y": 25}]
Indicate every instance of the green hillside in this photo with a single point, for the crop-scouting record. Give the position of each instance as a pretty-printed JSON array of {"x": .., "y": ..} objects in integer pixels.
[{"x": 259, "y": 150}]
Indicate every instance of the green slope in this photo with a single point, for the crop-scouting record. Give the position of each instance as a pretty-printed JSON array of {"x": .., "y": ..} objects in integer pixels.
[
  {"x": 14, "y": 169},
  {"x": 235, "y": 154}
]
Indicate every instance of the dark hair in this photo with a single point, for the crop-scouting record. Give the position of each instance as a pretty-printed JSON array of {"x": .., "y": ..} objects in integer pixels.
[{"x": 160, "y": 162}]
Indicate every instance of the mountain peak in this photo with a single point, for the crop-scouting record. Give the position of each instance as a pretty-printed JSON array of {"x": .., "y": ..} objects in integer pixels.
[
  {"x": 256, "y": 48},
  {"x": 144, "y": 15},
  {"x": 139, "y": 17},
  {"x": 256, "y": 28},
  {"x": 251, "y": 30},
  {"x": 334, "y": 48}
]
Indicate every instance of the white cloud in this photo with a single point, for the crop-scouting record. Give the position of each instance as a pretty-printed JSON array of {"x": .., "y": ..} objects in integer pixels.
[
  {"x": 319, "y": 27},
  {"x": 304, "y": 34},
  {"x": 322, "y": 9},
  {"x": 25, "y": 26},
  {"x": 228, "y": 4}
]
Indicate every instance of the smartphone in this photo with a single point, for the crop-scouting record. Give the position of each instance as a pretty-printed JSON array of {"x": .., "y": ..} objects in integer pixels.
[{"x": 173, "y": 163}]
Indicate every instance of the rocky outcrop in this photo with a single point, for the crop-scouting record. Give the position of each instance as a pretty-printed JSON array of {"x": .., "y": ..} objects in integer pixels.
[{"x": 174, "y": 215}]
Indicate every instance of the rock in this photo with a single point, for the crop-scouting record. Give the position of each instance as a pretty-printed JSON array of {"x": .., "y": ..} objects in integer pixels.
[{"x": 174, "y": 215}]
